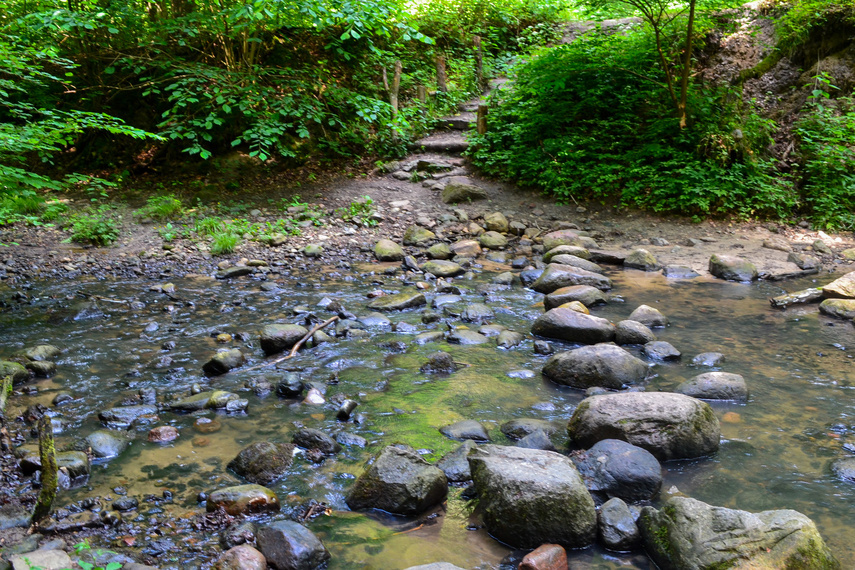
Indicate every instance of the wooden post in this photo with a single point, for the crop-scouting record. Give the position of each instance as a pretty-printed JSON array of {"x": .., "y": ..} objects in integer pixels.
[
  {"x": 47, "y": 454},
  {"x": 481, "y": 120},
  {"x": 479, "y": 62},
  {"x": 396, "y": 86},
  {"x": 441, "y": 76},
  {"x": 421, "y": 93}
]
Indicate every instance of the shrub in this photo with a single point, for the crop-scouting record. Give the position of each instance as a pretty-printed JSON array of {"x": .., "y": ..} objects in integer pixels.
[
  {"x": 161, "y": 207},
  {"x": 99, "y": 226}
]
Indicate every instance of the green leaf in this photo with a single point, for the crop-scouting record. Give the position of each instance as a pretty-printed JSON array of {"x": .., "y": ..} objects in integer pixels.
[{"x": 110, "y": 70}]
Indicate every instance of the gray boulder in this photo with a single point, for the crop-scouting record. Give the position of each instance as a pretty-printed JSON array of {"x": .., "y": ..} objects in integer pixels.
[
  {"x": 567, "y": 259},
  {"x": 309, "y": 438},
  {"x": 617, "y": 528},
  {"x": 643, "y": 260},
  {"x": 732, "y": 268},
  {"x": 530, "y": 497},
  {"x": 42, "y": 352},
  {"x": 602, "y": 365},
  {"x": 633, "y": 332},
  {"x": 566, "y": 250},
  {"x": 670, "y": 426},
  {"x": 556, "y": 276},
  {"x": 661, "y": 350},
  {"x": 387, "y": 250},
  {"x": 466, "y": 429},
  {"x": 455, "y": 464},
  {"x": 585, "y": 294},
  {"x": 105, "y": 445},
  {"x": 441, "y": 268},
  {"x": 417, "y": 235},
  {"x": 615, "y": 468},
  {"x": 519, "y": 428},
  {"x": 716, "y": 386},
  {"x": 477, "y": 313},
  {"x": 288, "y": 545},
  {"x": 509, "y": 339},
  {"x": 649, "y": 316},
  {"x": 687, "y": 533},
  {"x": 121, "y": 417},
  {"x": 279, "y": 338},
  {"x": 460, "y": 190},
  {"x": 398, "y": 301},
  {"x": 572, "y": 326},
  {"x": 399, "y": 482},
  {"x": 263, "y": 462}
]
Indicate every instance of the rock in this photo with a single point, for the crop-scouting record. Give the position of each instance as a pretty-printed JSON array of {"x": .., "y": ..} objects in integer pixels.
[
  {"x": 509, "y": 339},
  {"x": 279, "y": 338},
  {"x": 241, "y": 557},
  {"x": 263, "y": 462},
  {"x": 811, "y": 295},
  {"x": 492, "y": 240},
  {"x": 679, "y": 272},
  {"x": 617, "y": 528},
  {"x": 42, "y": 559},
  {"x": 572, "y": 326},
  {"x": 708, "y": 359},
  {"x": 315, "y": 439},
  {"x": 820, "y": 246},
  {"x": 566, "y": 237},
  {"x": 212, "y": 400},
  {"x": 313, "y": 250},
  {"x": 243, "y": 500},
  {"x": 848, "y": 254},
  {"x": 804, "y": 262},
  {"x": 41, "y": 368},
  {"x": 387, "y": 250},
  {"x": 844, "y": 469},
  {"x": 417, "y": 235},
  {"x": 566, "y": 259},
  {"x": 16, "y": 371},
  {"x": 715, "y": 386},
  {"x": 125, "y": 504},
  {"x": 466, "y": 248},
  {"x": 223, "y": 362},
  {"x": 841, "y": 288},
  {"x": 399, "y": 482},
  {"x": 608, "y": 257},
  {"x": 163, "y": 434},
  {"x": 732, "y": 268},
  {"x": 232, "y": 272},
  {"x": 576, "y": 306},
  {"x": 440, "y": 251},
  {"x": 556, "y": 276},
  {"x": 105, "y": 445},
  {"x": 545, "y": 557},
  {"x": 439, "y": 363},
  {"x": 573, "y": 250},
  {"x": 777, "y": 244},
  {"x": 466, "y": 429},
  {"x": 455, "y": 464},
  {"x": 496, "y": 222},
  {"x": 351, "y": 440},
  {"x": 670, "y": 426},
  {"x": 687, "y": 533},
  {"x": 839, "y": 308},
  {"x": 430, "y": 336},
  {"x": 643, "y": 260},
  {"x": 435, "y": 566},
  {"x": 585, "y": 294},
  {"x": 121, "y": 417},
  {"x": 519, "y": 428},
  {"x": 42, "y": 352},
  {"x": 531, "y": 496},
  {"x": 633, "y": 332},
  {"x": 442, "y": 268},
  {"x": 661, "y": 350},
  {"x": 459, "y": 190},
  {"x": 463, "y": 336},
  {"x": 398, "y": 301},
  {"x": 375, "y": 320},
  {"x": 290, "y": 386},
  {"x": 615, "y": 468},
  {"x": 288, "y": 545},
  {"x": 477, "y": 313},
  {"x": 75, "y": 464},
  {"x": 536, "y": 440},
  {"x": 649, "y": 316},
  {"x": 602, "y": 365},
  {"x": 529, "y": 276}
]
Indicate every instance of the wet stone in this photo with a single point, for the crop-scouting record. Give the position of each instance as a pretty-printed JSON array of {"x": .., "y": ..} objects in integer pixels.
[
  {"x": 398, "y": 301},
  {"x": 466, "y": 429},
  {"x": 710, "y": 359},
  {"x": 477, "y": 313},
  {"x": 509, "y": 339},
  {"x": 241, "y": 557},
  {"x": 280, "y": 337},
  {"x": 617, "y": 527},
  {"x": 263, "y": 462},
  {"x": 123, "y": 416},
  {"x": 290, "y": 386},
  {"x": 163, "y": 434},
  {"x": 633, "y": 332},
  {"x": 351, "y": 439},
  {"x": 585, "y": 294},
  {"x": 519, "y": 428},
  {"x": 649, "y": 316},
  {"x": 243, "y": 500},
  {"x": 716, "y": 386},
  {"x": 455, "y": 464},
  {"x": 467, "y": 337},
  {"x": 106, "y": 445},
  {"x": 679, "y": 272},
  {"x": 308, "y": 438},
  {"x": 289, "y": 545},
  {"x": 614, "y": 468},
  {"x": 223, "y": 362},
  {"x": 545, "y": 557},
  {"x": 661, "y": 350},
  {"x": 42, "y": 352},
  {"x": 442, "y": 268},
  {"x": 41, "y": 368},
  {"x": 439, "y": 363}
]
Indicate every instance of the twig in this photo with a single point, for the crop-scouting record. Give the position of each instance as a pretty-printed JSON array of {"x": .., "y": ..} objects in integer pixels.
[{"x": 295, "y": 348}]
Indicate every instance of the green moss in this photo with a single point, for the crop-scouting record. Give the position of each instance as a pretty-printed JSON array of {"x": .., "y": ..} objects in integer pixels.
[{"x": 812, "y": 556}]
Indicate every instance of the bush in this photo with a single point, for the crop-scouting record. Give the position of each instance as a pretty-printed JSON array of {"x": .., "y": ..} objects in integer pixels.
[
  {"x": 161, "y": 207},
  {"x": 99, "y": 226}
]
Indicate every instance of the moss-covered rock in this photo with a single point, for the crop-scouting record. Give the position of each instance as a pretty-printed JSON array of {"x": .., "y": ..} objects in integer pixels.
[{"x": 387, "y": 250}]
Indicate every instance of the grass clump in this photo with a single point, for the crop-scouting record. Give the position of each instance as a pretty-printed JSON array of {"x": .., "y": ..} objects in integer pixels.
[
  {"x": 224, "y": 243},
  {"x": 161, "y": 207},
  {"x": 99, "y": 226}
]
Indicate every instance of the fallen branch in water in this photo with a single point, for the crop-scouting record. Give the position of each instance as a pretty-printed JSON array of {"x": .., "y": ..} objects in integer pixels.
[{"x": 295, "y": 348}]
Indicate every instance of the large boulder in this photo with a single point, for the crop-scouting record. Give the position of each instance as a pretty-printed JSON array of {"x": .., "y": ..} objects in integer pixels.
[
  {"x": 398, "y": 301},
  {"x": 715, "y": 386},
  {"x": 556, "y": 276},
  {"x": 399, "y": 482},
  {"x": 566, "y": 250},
  {"x": 687, "y": 533},
  {"x": 732, "y": 268},
  {"x": 263, "y": 462},
  {"x": 602, "y": 365},
  {"x": 279, "y": 338},
  {"x": 585, "y": 294},
  {"x": 288, "y": 545},
  {"x": 530, "y": 497},
  {"x": 566, "y": 324},
  {"x": 243, "y": 500},
  {"x": 615, "y": 468},
  {"x": 670, "y": 426},
  {"x": 841, "y": 288}
]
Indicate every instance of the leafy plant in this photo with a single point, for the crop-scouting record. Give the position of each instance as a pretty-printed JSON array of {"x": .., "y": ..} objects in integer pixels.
[
  {"x": 168, "y": 233},
  {"x": 224, "y": 242},
  {"x": 359, "y": 212},
  {"x": 99, "y": 226},
  {"x": 161, "y": 208},
  {"x": 208, "y": 226}
]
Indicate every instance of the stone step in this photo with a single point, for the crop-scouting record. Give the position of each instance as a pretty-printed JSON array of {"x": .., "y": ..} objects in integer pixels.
[
  {"x": 460, "y": 122},
  {"x": 452, "y": 142}
]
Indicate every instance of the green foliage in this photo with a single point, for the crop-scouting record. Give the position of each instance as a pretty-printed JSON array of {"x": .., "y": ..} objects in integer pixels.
[
  {"x": 161, "y": 208},
  {"x": 805, "y": 17},
  {"x": 590, "y": 120},
  {"x": 96, "y": 225},
  {"x": 359, "y": 212},
  {"x": 827, "y": 157},
  {"x": 208, "y": 226},
  {"x": 168, "y": 232},
  {"x": 224, "y": 242},
  {"x": 53, "y": 210}
]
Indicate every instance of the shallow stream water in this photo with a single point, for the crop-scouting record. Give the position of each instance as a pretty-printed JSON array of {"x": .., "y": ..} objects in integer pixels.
[{"x": 775, "y": 454}]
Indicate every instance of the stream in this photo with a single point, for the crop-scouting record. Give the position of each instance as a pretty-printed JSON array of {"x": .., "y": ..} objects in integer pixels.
[{"x": 775, "y": 453}]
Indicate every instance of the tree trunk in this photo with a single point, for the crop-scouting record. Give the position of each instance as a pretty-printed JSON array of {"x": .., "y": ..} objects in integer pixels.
[
  {"x": 395, "y": 88},
  {"x": 687, "y": 68},
  {"x": 481, "y": 120},
  {"x": 479, "y": 62},
  {"x": 441, "y": 77},
  {"x": 47, "y": 453}
]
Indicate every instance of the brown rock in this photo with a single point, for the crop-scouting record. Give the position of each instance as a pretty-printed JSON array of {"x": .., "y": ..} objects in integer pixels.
[
  {"x": 241, "y": 557},
  {"x": 841, "y": 288},
  {"x": 545, "y": 557},
  {"x": 162, "y": 434}
]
